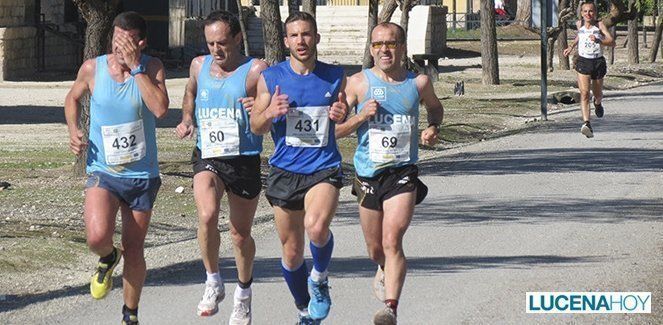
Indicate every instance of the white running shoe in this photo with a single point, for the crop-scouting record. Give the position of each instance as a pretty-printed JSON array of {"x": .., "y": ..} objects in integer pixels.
[
  {"x": 241, "y": 314},
  {"x": 586, "y": 130},
  {"x": 378, "y": 285},
  {"x": 385, "y": 316},
  {"x": 214, "y": 294}
]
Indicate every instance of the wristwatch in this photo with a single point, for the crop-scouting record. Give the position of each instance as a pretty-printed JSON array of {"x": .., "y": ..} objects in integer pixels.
[
  {"x": 436, "y": 125},
  {"x": 139, "y": 69}
]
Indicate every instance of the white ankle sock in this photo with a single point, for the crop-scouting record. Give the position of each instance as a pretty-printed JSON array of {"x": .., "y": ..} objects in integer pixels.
[
  {"x": 214, "y": 277},
  {"x": 241, "y": 293},
  {"x": 318, "y": 276}
]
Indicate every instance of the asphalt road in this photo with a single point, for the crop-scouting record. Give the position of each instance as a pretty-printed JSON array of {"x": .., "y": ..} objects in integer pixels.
[{"x": 544, "y": 210}]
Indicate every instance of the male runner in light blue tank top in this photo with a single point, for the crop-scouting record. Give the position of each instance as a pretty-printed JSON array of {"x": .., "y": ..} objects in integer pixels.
[
  {"x": 300, "y": 100},
  {"x": 387, "y": 97},
  {"x": 226, "y": 158},
  {"x": 128, "y": 92}
]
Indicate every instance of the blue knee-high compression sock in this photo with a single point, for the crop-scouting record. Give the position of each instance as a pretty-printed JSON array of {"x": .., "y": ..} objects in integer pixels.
[
  {"x": 322, "y": 255},
  {"x": 297, "y": 283}
]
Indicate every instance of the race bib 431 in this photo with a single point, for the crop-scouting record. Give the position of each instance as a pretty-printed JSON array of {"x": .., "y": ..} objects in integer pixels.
[{"x": 307, "y": 126}]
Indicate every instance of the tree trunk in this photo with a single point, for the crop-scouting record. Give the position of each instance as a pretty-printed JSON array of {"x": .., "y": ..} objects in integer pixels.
[
  {"x": 406, "y": 6},
  {"x": 523, "y": 13},
  {"x": 565, "y": 13},
  {"x": 242, "y": 26},
  {"x": 550, "y": 52},
  {"x": 98, "y": 15},
  {"x": 387, "y": 11},
  {"x": 372, "y": 21},
  {"x": 611, "y": 50},
  {"x": 272, "y": 31},
  {"x": 490, "y": 68},
  {"x": 309, "y": 6},
  {"x": 633, "y": 54},
  {"x": 657, "y": 39},
  {"x": 293, "y": 6},
  {"x": 562, "y": 43},
  {"x": 620, "y": 11}
]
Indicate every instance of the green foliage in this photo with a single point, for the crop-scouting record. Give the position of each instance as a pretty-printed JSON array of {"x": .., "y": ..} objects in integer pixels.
[{"x": 645, "y": 8}]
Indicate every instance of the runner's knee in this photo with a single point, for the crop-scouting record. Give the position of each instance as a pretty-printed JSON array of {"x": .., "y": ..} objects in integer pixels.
[
  {"x": 98, "y": 241},
  {"x": 391, "y": 244},
  {"x": 293, "y": 255},
  {"x": 133, "y": 250},
  {"x": 240, "y": 238},
  {"x": 208, "y": 218},
  {"x": 584, "y": 94},
  {"x": 318, "y": 233},
  {"x": 375, "y": 253}
]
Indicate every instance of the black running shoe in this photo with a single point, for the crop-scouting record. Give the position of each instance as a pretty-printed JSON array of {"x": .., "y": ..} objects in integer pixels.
[
  {"x": 598, "y": 110},
  {"x": 129, "y": 316},
  {"x": 129, "y": 319}
]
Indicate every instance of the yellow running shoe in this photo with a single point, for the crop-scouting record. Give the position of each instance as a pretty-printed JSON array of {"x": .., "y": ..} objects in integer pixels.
[{"x": 102, "y": 280}]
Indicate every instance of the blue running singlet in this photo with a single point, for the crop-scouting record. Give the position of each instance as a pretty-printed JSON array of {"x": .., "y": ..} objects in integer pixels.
[
  {"x": 224, "y": 130},
  {"x": 122, "y": 129},
  {"x": 304, "y": 138},
  {"x": 390, "y": 138}
]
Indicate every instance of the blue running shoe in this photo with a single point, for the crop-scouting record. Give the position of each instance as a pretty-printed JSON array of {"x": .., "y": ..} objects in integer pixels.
[{"x": 318, "y": 306}]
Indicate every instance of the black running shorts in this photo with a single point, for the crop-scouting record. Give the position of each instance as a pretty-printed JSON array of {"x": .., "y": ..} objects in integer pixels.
[
  {"x": 372, "y": 192},
  {"x": 240, "y": 174},
  {"x": 287, "y": 190},
  {"x": 595, "y": 68}
]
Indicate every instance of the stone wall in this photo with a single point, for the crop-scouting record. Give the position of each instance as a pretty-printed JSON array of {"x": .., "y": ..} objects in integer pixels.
[
  {"x": 19, "y": 41},
  {"x": 61, "y": 54},
  {"x": 17, "y": 52},
  {"x": 53, "y": 11},
  {"x": 16, "y": 13}
]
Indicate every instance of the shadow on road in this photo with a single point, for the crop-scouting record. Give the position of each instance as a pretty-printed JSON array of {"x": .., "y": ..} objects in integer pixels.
[
  {"x": 459, "y": 210},
  {"x": 269, "y": 270},
  {"x": 54, "y": 114},
  {"x": 557, "y": 160},
  {"x": 462, "y": 211}
]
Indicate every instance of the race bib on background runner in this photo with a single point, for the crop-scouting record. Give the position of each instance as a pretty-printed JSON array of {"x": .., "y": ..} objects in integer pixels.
[
  {"x": 219, "y": 137},
  {"x": 123, "y": 143},
  {"x": 307, "y": 126}
]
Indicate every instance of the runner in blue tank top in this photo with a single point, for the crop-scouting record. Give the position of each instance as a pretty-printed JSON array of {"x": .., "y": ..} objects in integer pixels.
[
  {"x": 220, "y": 95},
  {"x": 387, "y": 187},
  {"x": 300, "y": 101},
  {"x": 128, "y": 93}
]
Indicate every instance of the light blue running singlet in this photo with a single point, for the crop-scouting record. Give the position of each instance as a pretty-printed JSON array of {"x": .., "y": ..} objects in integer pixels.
[
  {"x": 122, "y": 129},
  {"x": 391, "y": 137},
  {"x": 223, "y": 129}
]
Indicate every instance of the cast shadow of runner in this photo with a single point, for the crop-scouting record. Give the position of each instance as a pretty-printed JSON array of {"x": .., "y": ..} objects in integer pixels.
[
  {"x": 269, "y": 270},
  {"x": 461, "y": 211},
  {"x": 29, "y": 114},
  {"x": 553, "y": 160}
]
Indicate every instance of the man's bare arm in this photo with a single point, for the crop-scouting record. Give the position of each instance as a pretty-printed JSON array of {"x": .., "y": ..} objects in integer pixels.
[
  {"x": 433, "y": 107},
  {"x": 185, "y": 128},
  {"x": 267, "y": 107},
  {"x": 72, "y": 110}
]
